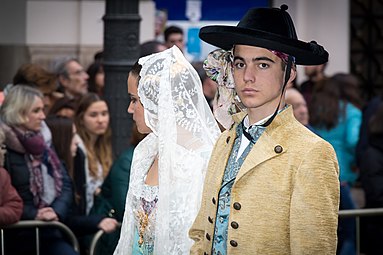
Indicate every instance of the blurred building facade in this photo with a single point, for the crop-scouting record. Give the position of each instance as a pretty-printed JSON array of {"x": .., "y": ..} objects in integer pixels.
[{"x": 39, "y": 31}]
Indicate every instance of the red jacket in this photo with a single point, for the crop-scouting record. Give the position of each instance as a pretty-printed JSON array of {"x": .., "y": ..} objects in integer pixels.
[{"x": 11, "y": 205}]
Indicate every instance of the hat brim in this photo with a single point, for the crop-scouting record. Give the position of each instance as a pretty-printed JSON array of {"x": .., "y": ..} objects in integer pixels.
[{"x": 226, "y": 37}]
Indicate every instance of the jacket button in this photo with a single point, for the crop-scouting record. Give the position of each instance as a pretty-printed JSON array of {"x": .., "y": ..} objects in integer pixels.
[
  {"x": 237, "y": 206},
  {"x": 233, "y": 243},
  {"x": 213, "y": 200},
  {"x": 208, "y": 236},
  {"x": 228, "y": 139},
  {"x": 234, "y": 224},
  {"x": 210, "y": 219},
  {"x": 278, "y": 149}
]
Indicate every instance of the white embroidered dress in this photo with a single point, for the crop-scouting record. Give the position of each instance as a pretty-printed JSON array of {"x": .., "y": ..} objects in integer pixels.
[{"x": 184, "y": 133}]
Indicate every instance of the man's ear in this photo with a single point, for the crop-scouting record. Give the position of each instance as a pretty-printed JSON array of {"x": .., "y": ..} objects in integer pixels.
[
  {"x": 63, "y": 80},
  {"x": 293, "y": 74}
]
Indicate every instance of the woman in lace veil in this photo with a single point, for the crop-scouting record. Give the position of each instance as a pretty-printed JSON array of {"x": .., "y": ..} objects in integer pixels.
[{"x": 169, "y": 165}]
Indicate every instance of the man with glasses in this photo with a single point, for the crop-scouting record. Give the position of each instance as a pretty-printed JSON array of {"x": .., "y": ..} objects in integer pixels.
[{"x": 72, "y": 77}]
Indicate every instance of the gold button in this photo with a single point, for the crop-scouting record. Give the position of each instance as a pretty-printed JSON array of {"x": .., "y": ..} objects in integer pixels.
[{"x": 278, "y": 149}]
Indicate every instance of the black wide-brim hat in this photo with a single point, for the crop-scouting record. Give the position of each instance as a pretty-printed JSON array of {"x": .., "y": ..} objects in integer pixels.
[{"x": 270, "y": 28}]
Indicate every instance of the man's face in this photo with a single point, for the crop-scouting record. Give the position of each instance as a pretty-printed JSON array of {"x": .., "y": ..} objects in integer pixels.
[
  {"x": 175, "y": 39},
  {"x": 258, "y": 77},
  {"x": 77, "y": 82}
]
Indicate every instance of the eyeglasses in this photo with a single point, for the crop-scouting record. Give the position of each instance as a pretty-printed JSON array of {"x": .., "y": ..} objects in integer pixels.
[{"x": 78, "y": 72}]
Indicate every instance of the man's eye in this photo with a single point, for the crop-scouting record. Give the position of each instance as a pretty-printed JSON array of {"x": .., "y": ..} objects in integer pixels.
[
  {"x": 239, "y": 65},
  {"x": 263, "y": 65}
]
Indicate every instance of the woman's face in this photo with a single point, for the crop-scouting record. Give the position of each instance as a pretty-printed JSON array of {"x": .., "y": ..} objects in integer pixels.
[
  {"x": 99, "y": 79},
  {"x": 35, "y": 115},
  {"x": 74, "y": 143},
  {"x": 135, "y": 106},
  {"x": 96, "y": 118}
]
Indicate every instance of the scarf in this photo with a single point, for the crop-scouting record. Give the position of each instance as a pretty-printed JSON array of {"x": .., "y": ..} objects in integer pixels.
[{"x": 38, "y": 155}]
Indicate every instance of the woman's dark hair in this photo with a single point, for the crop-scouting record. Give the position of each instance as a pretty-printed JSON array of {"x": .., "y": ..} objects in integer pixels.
[
  {"x": 325, "y": 108},
  {"x": 62, "y": 135},
  {"x": 101, "y": 151},
  {"x": 63, "y": 103},
  {"x": 136, "y": 69},
  {"x": 92, "y": 71},
  {"x": 150, "y": 47},
  {"x": 36, "y": 76},
  {"x": 349, "y": 89}
]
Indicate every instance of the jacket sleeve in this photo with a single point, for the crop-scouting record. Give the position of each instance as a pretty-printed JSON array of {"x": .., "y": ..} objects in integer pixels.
[
  {"x": 63, "y": 203},
  {"x": 11, "y": 205},
  {"x": 315, "y": 202}
]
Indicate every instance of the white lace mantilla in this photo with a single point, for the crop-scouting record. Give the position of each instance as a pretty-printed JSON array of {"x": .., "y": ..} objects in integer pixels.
[{"x": 184, "y": 133}]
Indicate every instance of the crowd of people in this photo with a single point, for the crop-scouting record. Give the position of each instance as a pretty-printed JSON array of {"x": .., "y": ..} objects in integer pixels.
[{"x": 227, "y": 156}]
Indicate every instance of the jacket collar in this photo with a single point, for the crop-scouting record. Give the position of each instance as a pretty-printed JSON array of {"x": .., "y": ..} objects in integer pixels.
[{"x": 271, "y": 144}]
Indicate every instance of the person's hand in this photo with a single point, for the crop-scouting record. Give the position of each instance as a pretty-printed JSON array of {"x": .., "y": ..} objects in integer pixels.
[
  {"x": 108, "y": 225},
  {"x": 97, "y": 191},
  {"x": 46, "y": 214}
]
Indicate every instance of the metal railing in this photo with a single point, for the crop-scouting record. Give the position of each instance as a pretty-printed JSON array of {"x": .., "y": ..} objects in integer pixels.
[
  {"x": 95, "y": 239},
  {"x": 354, "y": 213},
  {"x": 357, "y": 213},
  {"x": 36, "y": 224}
]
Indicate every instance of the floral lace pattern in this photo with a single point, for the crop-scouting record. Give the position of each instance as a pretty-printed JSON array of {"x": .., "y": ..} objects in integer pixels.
[{"x": 184, "y": 133}]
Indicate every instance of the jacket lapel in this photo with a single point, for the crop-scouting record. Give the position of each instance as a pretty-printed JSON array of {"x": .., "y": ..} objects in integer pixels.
[
  {"x": 262, "y": 150},
  {"x": 266, "y": 147}
]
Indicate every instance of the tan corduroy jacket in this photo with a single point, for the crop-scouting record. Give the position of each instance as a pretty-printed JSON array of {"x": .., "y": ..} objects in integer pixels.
[{"x": 285, "y": 198}]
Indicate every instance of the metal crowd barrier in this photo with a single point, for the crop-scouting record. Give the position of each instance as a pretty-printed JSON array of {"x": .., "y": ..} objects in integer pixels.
[
  {"x": 357, "y": 213},
  {"x": 95, "y": 239},
  {"x": 354, "y": 213},
  {"x": 37, "y": 225}
]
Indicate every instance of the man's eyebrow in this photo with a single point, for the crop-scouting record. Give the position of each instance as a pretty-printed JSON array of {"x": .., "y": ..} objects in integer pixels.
[{"x": 255, "y": 59}]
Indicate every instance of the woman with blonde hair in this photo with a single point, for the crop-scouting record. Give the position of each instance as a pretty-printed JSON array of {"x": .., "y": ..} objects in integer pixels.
[{"x": 36, "y": 172}]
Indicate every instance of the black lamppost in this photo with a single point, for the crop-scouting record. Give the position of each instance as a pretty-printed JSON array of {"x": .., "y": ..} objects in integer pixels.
[{"x": 121, "y": 51}]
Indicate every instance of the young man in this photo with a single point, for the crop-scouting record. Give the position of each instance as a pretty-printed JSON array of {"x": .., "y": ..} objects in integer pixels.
[
  {"x": 272, "y": 185},
  {"x": 174, "y": 35}
]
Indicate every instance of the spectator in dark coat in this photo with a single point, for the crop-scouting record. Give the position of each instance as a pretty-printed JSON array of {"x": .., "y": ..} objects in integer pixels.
[
  {"x": 36, "y": 172},
  {"x": 371, "y": 176}
]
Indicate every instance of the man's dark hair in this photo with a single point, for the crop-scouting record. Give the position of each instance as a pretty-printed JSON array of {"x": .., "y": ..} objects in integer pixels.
[{"x": 172, "y": 30}]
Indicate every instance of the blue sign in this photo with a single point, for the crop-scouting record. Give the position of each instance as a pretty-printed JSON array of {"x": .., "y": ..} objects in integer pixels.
[
  {"x": 225, "y": 10},
  {"x": 194, "y": 43}
]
